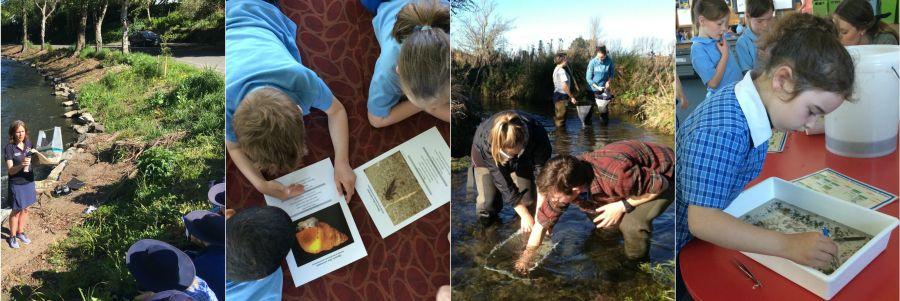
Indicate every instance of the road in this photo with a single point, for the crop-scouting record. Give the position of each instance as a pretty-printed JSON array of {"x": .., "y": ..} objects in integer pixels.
[{"x": 193, "y": 54}]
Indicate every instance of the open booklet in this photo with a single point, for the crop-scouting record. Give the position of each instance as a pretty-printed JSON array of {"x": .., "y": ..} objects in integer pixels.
[
  {"x": 407, "y": 182},
  {"x": 327, "y": 237}
]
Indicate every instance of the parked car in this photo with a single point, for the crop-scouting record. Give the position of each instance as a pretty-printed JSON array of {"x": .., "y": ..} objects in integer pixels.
[{"x": 144, "y": 38}]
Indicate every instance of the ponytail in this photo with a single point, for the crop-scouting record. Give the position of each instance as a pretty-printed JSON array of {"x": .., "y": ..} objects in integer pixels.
[
  {"x": 424, "y": 61},
  {"x": 509, "y": 131}
]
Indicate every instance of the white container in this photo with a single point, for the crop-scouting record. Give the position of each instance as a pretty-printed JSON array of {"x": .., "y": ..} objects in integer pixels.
[
  {"x": 866, "y": 127},
  {"x": 872, "y": 222}
]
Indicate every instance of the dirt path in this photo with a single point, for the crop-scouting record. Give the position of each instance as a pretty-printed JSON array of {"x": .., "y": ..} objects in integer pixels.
[{"x": 51, "y": 217}]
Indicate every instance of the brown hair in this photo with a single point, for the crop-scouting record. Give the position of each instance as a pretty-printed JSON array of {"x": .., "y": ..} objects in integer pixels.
[
  {"x": 756, "y": 8},
  {"x": 424, "y": 61},
  {"x": 559, "y": 58},
  {"x": 509, "y": 131},
  {"x": 270, "y": 131},
  {"x": 811, "y": 47},
  {"x": 860, "y": 14},
  {"x": 13, "y": 127},
  {"x": 563, "y": 173},
  {"x": 709, "y": 9},
  {"x": 602, "y": 49}
]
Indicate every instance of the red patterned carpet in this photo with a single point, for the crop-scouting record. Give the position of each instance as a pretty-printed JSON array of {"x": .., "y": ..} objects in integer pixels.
[{"x": 337, "y": 41}]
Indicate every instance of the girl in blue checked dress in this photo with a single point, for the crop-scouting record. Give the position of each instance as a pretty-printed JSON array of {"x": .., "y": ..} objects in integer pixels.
[{"x": 722, "y": 144}]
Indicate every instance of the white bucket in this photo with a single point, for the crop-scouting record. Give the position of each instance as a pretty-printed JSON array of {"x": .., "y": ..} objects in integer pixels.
[{"x": 866, "y": 126}]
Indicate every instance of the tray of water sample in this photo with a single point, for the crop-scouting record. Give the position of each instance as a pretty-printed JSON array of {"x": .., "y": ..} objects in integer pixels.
[
  {"x": 502, "y": 258},
  {"x": 860, "y": 233}
]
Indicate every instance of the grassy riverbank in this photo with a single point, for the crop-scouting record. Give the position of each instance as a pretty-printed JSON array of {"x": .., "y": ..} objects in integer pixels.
[{"x": 168, "y": 119}]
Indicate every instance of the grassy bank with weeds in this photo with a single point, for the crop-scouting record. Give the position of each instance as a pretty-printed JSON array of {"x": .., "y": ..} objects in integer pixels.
[
  {"x": 643, "y": 84},
  {"x": 173, "y": 112}
]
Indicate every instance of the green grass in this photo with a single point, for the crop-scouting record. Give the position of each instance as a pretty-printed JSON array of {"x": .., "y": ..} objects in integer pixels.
[{"x": 141, "y": 104}]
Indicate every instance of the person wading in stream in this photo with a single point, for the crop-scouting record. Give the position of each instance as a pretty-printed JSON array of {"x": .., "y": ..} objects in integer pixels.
[
  {"x": 624, "y": 185},
  {"x": 562, "y": 89},
  {"x": 21, "y": 181},
  {"x": 507, "y": 151}
]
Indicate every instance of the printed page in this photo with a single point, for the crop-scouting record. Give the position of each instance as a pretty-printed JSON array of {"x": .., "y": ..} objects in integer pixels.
[
  {"x": 327, "y": 237},
  {"x": 407, "y": 182}
]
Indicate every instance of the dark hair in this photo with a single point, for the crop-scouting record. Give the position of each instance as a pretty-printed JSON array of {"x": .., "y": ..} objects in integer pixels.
[
  {"x": 257, "y": 240},
  {"x": 559, "y": 58},
  {"x": 756, "y": 8},
  {"x": 860, "y": 14},
  {"x": 423, "y": 64},
  {"x": 811, "y": 47},
  {"x": 563, "y": 173},
  {"x": 12, "y": 131},
  {"x": 602, "y": 49},
  {"x": 709, "y": 9}
]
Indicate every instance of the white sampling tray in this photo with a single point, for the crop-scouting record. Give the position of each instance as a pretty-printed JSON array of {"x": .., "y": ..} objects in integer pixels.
[{"x": 872, "y": 222}]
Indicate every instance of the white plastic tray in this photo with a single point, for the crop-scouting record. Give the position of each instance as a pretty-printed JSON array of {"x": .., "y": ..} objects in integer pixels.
[{"x": 872, "y": 222}]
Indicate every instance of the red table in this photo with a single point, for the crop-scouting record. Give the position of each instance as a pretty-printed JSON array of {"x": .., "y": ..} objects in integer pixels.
[{"x": 710, "y": 274}]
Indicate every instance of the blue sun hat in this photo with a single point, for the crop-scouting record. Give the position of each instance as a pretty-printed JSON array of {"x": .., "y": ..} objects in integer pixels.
[
  {"x": 206, "y": 226},
  {"x": 170, "y": 295},
  {"x": 158, "y": 266},
  {"x": 216, "y": 195}
]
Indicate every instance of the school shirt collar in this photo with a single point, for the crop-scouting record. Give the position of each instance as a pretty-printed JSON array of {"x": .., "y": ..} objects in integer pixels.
[
  {"x": 749, "y": 33},
  {"x": 702, "y": 40},
  {"x": 754, "y": 110}
]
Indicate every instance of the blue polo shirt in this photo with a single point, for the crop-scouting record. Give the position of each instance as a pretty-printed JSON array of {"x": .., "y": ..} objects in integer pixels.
[
  {"x": 599, "y": 71},
  {"x": 704, "y": 58},
  {"x": 721, "y": 148},
  {"x": 265, "y": 289},
  {"x": 210, "y": 265},
  {"x": 17, "y": 155},
  {"x": 384, "y": 90},
  {"x": 745, "y": 49},
  {"x": 261, "y": 50}
]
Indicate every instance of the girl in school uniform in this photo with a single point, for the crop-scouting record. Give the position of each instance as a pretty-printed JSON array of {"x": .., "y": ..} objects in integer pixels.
[
  {"x": 711, "y": 56},
  {"x": 507, "y": 152},
  {"x": 722, "y": 144},
  {"x": 759, "y": 15},
  {"x": 414, "y": 60}
]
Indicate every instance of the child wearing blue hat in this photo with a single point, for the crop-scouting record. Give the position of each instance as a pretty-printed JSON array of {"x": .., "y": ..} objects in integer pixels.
[
  {"x": 258, "y": 240},
  {"x": 208, "y": 229},
  {"x": 158, "y": 266}
]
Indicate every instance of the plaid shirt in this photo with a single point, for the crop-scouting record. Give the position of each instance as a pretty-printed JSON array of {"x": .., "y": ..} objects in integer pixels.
[
  {"x": 716, "y": 157},
  {"x": 621, "y": 170}
]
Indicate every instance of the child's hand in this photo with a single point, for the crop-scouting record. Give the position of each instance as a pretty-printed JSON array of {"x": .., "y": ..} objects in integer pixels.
[
  {"x": 526, "y": 222},
  {"x": 573, "y": 100},
  {"x": 345, "y": 180},
  {"x": 610, "y": 215},
  {"x": 722, "y": 45},
  {"x": 523, "y": 264},
  {"x": 281, "y": 192},
  {"x": 811, "y": 249}
]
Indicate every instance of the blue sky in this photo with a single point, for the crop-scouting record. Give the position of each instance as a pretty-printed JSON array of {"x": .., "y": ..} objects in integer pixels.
[{"x": 621, "y": 20}]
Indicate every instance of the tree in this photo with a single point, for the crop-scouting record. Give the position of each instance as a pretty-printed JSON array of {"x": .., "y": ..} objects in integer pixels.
[
  {"x": 596, "y": 33},
  {"x": 46, "y": 7},
  {"x": 124, "y": 18},
  {"x": 481, "y": 32},
  {"x": 79, "y": 9},
  {"x": 99, "y": 14}
]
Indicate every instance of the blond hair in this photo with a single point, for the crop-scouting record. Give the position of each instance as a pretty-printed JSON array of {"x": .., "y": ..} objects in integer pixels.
[
  {"x": 509, "y": 131},
  {"x": 424, "y": 60},
  {"x": 270, "y": 131}
]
